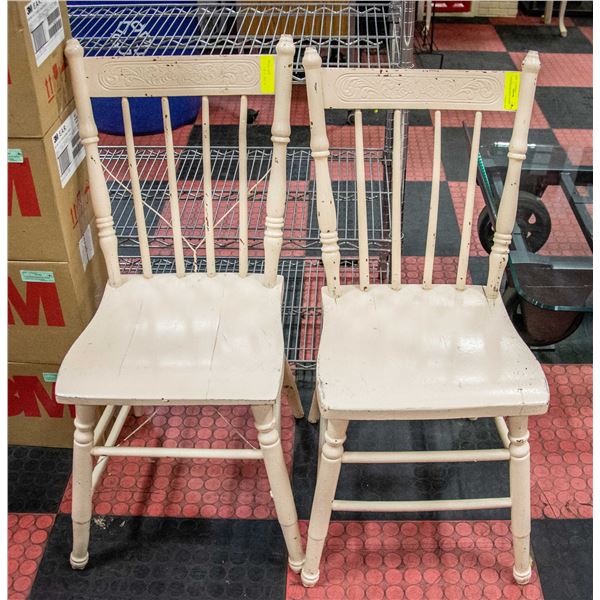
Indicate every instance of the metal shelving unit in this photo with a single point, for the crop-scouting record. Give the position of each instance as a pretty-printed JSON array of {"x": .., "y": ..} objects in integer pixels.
[{"x": 347, "y": 34}]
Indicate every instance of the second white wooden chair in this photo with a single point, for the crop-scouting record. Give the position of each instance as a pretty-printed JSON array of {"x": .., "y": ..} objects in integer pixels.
[
  {"x": 429, "y": 351},
  {"x": 182, "y": 338}
]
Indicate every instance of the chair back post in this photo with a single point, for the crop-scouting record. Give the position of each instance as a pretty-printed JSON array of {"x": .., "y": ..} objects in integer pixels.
[
  {"x": 280, "y": 136},
  {"x": 89, "y": 139},
  {"x": 319, "y": 145},
  {"x": 517, "y": 150}
]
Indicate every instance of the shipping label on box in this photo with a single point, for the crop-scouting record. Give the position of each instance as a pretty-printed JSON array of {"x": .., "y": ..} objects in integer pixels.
[
  {"x": 45, "y": 27},
  {"x": 49, "y": 201},
  {"x": 49, "y": 305},
  {"x": 68, "y": 148},
  {"x": 39, "y": 87},
  {"x": 34, "y": 416}
]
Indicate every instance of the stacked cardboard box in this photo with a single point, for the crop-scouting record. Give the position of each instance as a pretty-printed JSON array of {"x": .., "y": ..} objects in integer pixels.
[{"x": 56, "y": 273}]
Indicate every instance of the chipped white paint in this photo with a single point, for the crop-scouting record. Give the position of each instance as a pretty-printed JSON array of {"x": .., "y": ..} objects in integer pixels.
[
  {"x": 507, "y": 211},
  {"x": 430, "y": 351},
  {"x": 180, "y": 339},
  {"x": 157, "y": 76},
  {"x": 280, "y": 136},
  {"x": 434, "y": 89},
  {"x": 319, "y": 145}
]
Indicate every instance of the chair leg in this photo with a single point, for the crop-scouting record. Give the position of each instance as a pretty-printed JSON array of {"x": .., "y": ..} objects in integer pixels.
[
  {"x": 81, "y": 512},
  {"x": 281, "y": 488},
  {"x": 547, "y": 18},
  {"x": 520, "y": 495},
  {"x": 289, "y": 385},
  {"x": 314, "y": 413},
  {"x": 322, "y": 431},
  {"x": 327, "y": 478},
  {"x": 561, "y": 18}
]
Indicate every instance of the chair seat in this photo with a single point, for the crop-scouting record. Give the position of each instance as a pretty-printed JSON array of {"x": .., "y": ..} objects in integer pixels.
[
  {"x": 195, "y": 339},
  {"x": 423, "y": 354}
]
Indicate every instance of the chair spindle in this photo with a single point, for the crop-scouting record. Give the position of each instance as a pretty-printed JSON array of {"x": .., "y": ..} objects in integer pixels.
[
  {"x": 363, "y": 234},
  {"x": 434, "y": 203},
  {"x": 136, "y": 191},
  {"x": 173, "y": 195},
  {"x": 209, "y": 234},
  {"x": 243, "y": 187},
  {"x": 396, "y": 201},
  {"x": 467, "y": 227}
]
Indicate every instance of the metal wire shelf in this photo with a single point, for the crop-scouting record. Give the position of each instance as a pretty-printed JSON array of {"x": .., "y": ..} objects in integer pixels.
[
  {"x": 301, "y": 227},
  {"x": 346, "y": 33},
  {"x": 301, "y": 307}
]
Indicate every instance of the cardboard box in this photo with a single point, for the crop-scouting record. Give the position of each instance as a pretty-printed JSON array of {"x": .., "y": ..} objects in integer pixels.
[
  {"x": 34, "y": 417},
  {"x": 49, "y": 305},
  {"x": 49, "y": 203},
  {"x": 39, "y": 87}
]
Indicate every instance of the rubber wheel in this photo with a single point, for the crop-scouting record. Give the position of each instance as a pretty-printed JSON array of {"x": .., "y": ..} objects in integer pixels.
[{"x": 533, "y": 219}]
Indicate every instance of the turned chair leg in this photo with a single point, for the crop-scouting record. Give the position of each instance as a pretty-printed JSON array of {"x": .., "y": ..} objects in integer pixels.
[
  {"x": 327, "y": 478},
  {"x": 547, "y": 18},
  {"x": 81, "y": 512},
  {"x": 279, "y": 480},
  {"x": 289, "y": 385},
  {"x": 520, "y": 492},
  {"x": 561, "y": 18},
  {"x": 322, "y": 431},
  {"x": 314, "y": 413}
]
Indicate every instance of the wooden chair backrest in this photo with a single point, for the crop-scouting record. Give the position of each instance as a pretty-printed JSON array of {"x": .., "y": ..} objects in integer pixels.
[
  {"x": 398, "y": 89},
  {"x": 205, "y": 76}
]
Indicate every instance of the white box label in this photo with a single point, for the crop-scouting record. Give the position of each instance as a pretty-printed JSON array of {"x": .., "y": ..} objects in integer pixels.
[
  {"x": 68, "y": 148},
  {"x": 45, "y": 26},
  {"x": 86, "y": 247}
]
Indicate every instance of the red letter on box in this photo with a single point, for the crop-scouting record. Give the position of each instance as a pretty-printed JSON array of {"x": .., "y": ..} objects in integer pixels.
[{"x": 37, "y": 295}]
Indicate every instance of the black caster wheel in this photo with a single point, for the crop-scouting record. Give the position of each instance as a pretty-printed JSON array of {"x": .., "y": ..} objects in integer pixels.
[{"x": 533, "y": 219}]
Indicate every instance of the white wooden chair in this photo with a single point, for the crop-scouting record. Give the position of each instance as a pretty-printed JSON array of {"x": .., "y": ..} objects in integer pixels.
[
  {"x": 405, "y": 352},
  {"x": 182, "y": 338}
]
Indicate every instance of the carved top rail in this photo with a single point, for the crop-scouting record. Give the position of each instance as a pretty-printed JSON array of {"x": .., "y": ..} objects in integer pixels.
[
  {"x": 146, "y": 76},
  {"x": 419, "y": 89}
]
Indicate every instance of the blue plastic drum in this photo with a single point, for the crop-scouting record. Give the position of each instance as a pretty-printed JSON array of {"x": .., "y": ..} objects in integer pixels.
[{"x": 120, "y": 28}]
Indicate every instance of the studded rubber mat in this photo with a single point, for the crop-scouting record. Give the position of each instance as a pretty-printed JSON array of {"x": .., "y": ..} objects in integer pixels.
[{"x": 203, "y": 530}]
